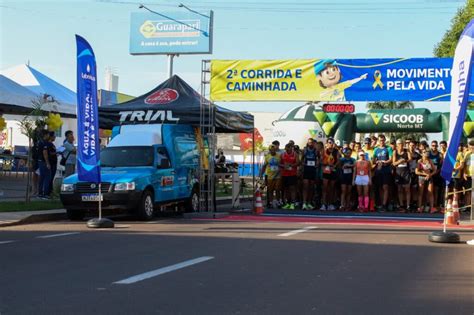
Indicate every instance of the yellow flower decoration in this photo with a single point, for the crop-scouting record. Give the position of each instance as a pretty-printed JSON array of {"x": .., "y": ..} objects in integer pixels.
[{"x": 54, "y": 121}]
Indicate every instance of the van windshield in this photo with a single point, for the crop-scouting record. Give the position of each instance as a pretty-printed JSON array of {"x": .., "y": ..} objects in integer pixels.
[{"x": 126, "y": 156}]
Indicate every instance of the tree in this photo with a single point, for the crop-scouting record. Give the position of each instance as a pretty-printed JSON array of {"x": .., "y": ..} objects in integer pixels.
[
  {"x": 447, "y": 45},
  {"x": 390, "y": 105},
  {"x": 398, "y": 105},
  {"x": 30, "y": 126}
]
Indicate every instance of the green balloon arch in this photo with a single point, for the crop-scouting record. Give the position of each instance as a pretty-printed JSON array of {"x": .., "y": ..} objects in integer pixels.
[{"x": 343, "y": 127}]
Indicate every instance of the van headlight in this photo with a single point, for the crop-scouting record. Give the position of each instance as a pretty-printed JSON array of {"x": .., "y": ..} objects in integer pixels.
[
  {"x": 124, "y": 186},
  {"x": 67, "y": 187}
]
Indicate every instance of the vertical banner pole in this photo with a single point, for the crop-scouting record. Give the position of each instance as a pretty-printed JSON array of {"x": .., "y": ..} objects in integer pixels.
[
  {"x": 88, "y": 150},
  {"x": 100, "y": 201},
  {"x": 445, "y": 207},
  {"x": 461, "y": 82}
]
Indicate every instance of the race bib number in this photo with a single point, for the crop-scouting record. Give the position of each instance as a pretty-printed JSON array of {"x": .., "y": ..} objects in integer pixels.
[
  {"x": 402, "y": 165},
  {"x": 289, "y": 167},
  {"x": 310, "y": 163},
  {"x": 327, "y": 169},
  {"x": 361, "y": 173},
  {"x": 274, "y": 168},
  {"x": 347, "y": 170}
]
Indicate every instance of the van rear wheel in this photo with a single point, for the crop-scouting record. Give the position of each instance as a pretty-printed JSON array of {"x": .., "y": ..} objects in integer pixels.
[{"x": 146, "y": 208}]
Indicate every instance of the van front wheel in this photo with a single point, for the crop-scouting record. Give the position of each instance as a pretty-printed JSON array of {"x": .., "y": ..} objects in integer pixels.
[
  {"x": 146, "y": 208},
  {"x": 192, "y": 204}
]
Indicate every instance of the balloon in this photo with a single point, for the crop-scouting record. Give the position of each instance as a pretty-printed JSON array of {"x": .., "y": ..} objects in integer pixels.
[
  {"x": 54, "y": 121},
  {"x": 3, "y": 123}
]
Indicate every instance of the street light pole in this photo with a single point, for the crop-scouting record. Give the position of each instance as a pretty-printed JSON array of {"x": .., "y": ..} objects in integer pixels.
[{"x": 170, "y": 65}]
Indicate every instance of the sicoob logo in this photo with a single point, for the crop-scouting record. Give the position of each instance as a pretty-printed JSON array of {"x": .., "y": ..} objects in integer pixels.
[{"x": 163, "y": 96}]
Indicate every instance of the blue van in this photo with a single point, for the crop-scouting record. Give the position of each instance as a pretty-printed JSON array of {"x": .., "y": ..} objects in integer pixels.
[{"x": 144, "y": 166}]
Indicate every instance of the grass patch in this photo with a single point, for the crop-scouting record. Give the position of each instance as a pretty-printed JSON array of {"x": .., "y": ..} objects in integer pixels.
[{"x": 34, "y": 205}]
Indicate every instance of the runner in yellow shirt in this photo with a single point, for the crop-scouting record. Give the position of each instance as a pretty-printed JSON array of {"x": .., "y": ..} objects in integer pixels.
[
  {"x": 271, "y": 168},
  {"x": 468, "y": 171}
]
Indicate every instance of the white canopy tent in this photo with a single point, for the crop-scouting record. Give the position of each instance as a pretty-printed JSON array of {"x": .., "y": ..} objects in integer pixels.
[{"x": 21, "y": 84}]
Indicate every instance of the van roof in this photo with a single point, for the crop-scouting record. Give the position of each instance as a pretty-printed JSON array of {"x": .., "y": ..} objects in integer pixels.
[{"x": 137, "y": 135}]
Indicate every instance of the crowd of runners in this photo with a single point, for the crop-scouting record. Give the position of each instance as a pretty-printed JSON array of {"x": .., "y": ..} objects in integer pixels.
[{"x": 403, "y": 175}]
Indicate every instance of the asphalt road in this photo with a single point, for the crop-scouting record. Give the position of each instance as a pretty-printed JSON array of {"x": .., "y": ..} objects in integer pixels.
[{"x": 231, "y": 267}]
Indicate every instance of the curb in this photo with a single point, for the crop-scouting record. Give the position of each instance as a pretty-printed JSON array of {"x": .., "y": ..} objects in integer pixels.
[{"x": 37, "y": 218}]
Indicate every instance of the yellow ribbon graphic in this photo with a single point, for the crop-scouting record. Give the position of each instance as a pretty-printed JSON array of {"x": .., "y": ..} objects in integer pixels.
[{"x": 377, "y": 78}]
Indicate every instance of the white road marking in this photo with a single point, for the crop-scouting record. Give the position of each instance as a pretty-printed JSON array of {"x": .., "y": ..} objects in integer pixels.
[
  {"x": 157, "y": 272},
  {"x": 6, "y": 242},
  {"x": 152, "y": 222},
  {"x": 58, "y": 235},
  {"x": 305, "y": 229}
]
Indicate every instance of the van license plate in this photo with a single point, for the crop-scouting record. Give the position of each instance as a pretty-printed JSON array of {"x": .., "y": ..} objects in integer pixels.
[{"x": 92, "y": 197}]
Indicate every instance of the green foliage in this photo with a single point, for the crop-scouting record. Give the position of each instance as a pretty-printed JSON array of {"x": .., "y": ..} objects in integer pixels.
[
  {"x": 390, "y": 105},
  {"x": 35, "y": 120},
  {"x": 447, "y": 45},
  {"x": 37, "y": 205}
]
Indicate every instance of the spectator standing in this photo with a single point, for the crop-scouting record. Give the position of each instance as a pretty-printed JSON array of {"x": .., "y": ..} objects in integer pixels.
[
  {"x": 456, "y": 183},
  {"x": 53, "y": 160},
  {"x": 69, "y": 154},
  {"x": 35, "y": 153},
  {"x": 44, "y": 165},
  {"x": 438, "y": 182},
  {"x": 468, "y": 171}
]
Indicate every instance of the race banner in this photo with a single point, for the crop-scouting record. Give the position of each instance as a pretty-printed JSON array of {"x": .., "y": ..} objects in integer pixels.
[
  {"x": 88, "y": 149},
  {"x": 462, "y": 72},
  {"x": 409, "y": 79}
]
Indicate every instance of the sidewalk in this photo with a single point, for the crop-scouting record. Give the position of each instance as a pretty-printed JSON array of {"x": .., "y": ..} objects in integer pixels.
[{"x": 23, "y": 217}]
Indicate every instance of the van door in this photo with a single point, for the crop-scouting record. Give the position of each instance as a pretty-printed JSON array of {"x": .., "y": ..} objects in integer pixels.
[
  {"x": 187, "y": 165},
  {"x": 164, "y": 180}
]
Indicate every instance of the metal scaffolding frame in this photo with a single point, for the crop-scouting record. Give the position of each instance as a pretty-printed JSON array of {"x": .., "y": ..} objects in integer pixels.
[{"x": 207, "y": 200}]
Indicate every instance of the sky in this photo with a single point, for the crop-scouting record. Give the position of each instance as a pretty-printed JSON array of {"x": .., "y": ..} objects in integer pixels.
[{"x": 42, "y": 33}]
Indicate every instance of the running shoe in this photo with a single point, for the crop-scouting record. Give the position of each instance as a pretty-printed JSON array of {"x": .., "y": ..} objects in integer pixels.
[
  {"x": 309, "y": 206},
  {"x": 286, "y": 206},
  {"x": 292, "y": 206},
  {"x": 323, "y": 208},
  {"x": 305, "y": 206},
  {"x": 331, "y": 208}
]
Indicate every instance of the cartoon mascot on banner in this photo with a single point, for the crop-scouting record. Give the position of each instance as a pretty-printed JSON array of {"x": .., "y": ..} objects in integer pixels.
[{"x": 329, "y": 77}]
